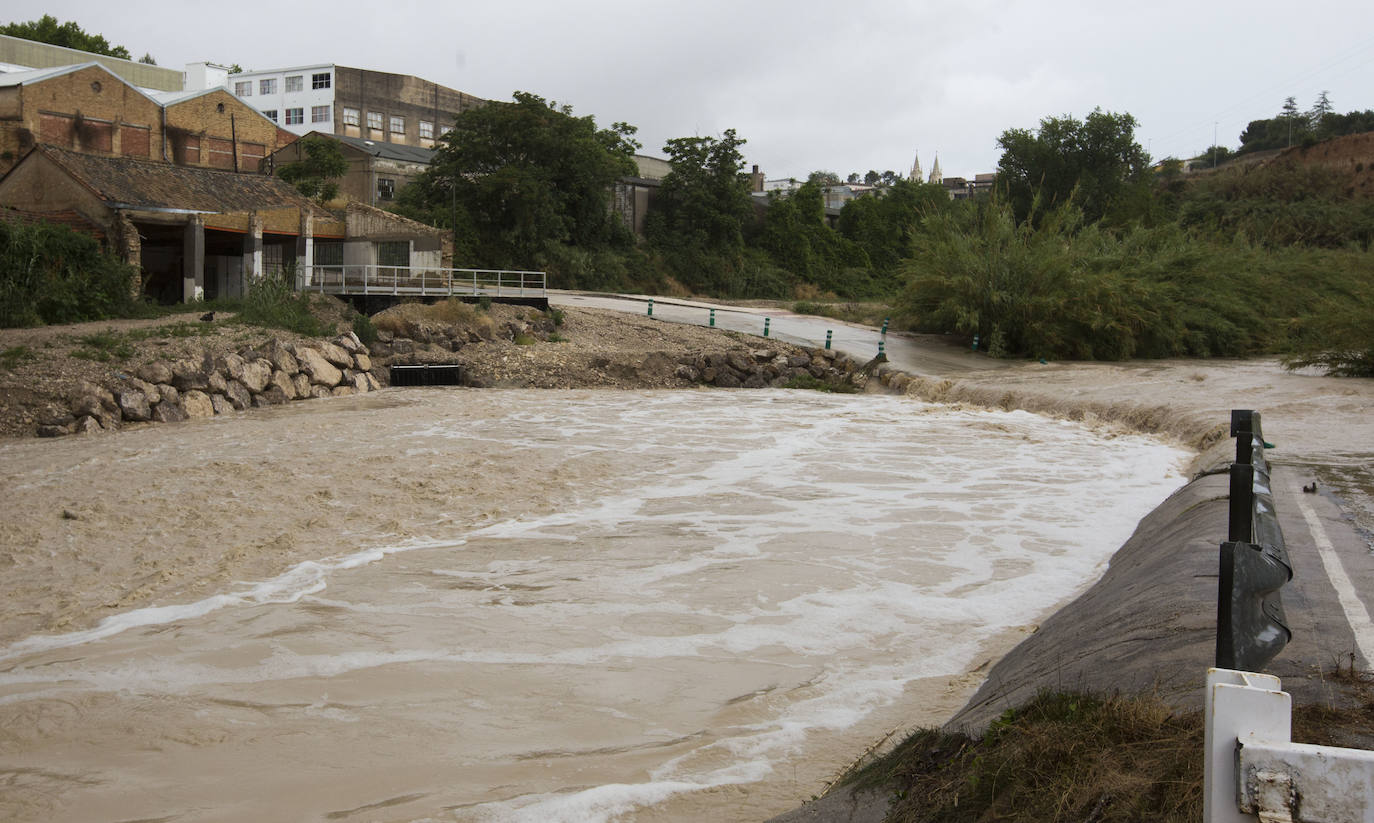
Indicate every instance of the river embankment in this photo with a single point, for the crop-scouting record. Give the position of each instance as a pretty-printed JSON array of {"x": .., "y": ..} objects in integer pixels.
[{"x": 1148, "y": 626}]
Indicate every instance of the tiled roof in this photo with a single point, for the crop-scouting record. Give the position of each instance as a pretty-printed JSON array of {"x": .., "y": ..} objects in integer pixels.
[{"x": 123, "y": 182}]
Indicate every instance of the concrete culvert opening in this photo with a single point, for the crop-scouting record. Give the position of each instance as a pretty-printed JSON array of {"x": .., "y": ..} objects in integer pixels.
[{"x": 439, "y": 374}]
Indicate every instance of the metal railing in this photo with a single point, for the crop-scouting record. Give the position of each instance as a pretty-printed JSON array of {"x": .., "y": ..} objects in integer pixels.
[
  {"x": 412, "y": 281},
  {"x": 1253, "y": 771},
  {"x": 1251, "y": 625}
]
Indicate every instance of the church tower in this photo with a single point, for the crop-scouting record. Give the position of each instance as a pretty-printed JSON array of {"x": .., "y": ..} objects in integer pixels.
[
  {"x": 916, "y": 169},
  {"x": 935, "y": 175}
]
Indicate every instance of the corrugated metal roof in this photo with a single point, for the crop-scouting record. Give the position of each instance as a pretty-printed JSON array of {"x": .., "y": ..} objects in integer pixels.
[{"x": 390, "y": 151}]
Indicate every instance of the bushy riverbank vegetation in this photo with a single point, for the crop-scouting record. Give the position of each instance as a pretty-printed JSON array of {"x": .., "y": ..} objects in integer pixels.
[{"x": 1083, "y": 250}]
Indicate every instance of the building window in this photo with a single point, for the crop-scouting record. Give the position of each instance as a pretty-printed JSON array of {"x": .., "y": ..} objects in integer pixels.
[
  {"x": 386, "y": 189},
  {"x": 374, "y": 120},
  {"x": 243, "y": 88},
  {"x": 393, "y": 253},
  {"x": 319, "y": 81},
  {"x": 351, "y": 117},
  {"x": 328, "y": 253},
  {"x": 270, "y": 114},
  {"x": 267, "y": 85},
  {"x": 295, "y": 82},
  {"x": 398, "y": 125},
  {"x": 319, "y": 114},
  {"x": 426, "y": 130},
  {"x": 295, "y": 117},
  {"x": 443, "y": 130}
]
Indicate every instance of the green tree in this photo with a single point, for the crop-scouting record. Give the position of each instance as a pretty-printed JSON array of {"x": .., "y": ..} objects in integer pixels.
[
  {"x": 1095, "y": 162},
  {"x": 316, "y": 174},
  {"x": 518, "y": 180},
  {"x": 47, "y": 29},
  {"x": 823, "y": 178},
  {"x": 703, "y": 203},
  {"x": 147, "y": 59}
]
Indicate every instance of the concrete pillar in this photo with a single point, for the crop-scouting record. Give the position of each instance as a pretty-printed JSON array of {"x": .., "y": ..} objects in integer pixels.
[
  {"x": 305, "y": 250},
  {"x": 252, "y": 253},
  {"x": 193, "y": 261}
]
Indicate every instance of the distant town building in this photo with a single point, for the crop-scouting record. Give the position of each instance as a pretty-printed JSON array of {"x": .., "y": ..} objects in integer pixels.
[{"x": 371, "y": 105}]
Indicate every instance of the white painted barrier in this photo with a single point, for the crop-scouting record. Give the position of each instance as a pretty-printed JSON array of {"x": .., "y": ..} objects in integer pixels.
[{"x": 1254, "y": 771}]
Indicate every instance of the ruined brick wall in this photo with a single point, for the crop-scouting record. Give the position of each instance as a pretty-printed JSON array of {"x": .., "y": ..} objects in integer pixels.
[
  {"x": 216, "y": 129},
  {"x": 90, "y": 110}
]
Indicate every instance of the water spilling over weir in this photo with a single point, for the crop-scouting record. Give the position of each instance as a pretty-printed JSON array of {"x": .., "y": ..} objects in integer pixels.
[{"x": 663, "y": 605}]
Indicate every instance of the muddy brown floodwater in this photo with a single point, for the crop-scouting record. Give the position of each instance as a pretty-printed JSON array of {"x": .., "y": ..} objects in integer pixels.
[{"x": 521, "y": 605}]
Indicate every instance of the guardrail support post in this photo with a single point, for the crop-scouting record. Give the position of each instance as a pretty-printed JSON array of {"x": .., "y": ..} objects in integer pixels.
[
  {"x": 765, "y": 326},
  {"x": 828, "y": 332},
  {"x": 713, "y": 318}
]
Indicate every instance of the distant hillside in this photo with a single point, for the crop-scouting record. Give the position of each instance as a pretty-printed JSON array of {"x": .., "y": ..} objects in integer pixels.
[{"x": 1350, "y": 156}]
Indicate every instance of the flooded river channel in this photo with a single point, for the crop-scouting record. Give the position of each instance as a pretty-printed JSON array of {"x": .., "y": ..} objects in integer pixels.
[{"x": 518, "y": 605}]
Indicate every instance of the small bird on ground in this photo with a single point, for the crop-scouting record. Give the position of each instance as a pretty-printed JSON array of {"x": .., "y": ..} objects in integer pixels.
[
  {"x": 1312, "y": 489},
  {"x": 208, "y": 317}
]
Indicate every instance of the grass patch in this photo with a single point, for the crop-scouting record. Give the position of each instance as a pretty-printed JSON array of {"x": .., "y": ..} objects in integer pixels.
[
  {"x": 363, "y": 328},
  {"x": 104, "y": 346},
  {"x": 555, "y": 337},
  {"x": 1067, "y": 756},
  {"x": 523, "y": 339},
  {"x": 13, "y": 356},
  {"x": 556, "y": 315},
  {"x": 273, "y": 303}
]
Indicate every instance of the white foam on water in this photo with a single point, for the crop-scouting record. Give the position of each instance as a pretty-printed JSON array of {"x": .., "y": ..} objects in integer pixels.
[
  {"x": 303, "y": 579},
  {"x": 822, "y": 529}
]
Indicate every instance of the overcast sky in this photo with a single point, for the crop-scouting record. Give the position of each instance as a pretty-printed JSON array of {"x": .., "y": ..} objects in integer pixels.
[{"x": 810, "y": 85}]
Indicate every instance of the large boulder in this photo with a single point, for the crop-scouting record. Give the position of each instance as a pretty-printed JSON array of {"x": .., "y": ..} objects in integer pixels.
[
  {"x": 257, "y": 374},
  {"x": 360, "y": 382},
  {"x": 221, "y": 404},
  {"x": 321, "y": 371},
  {"x": 281, "y": 357},
  {"x": 196, "y": 403},
  {"x": 283, "y": 381},
  {"x": 238, "y": 395},
  {"x": 302, "y": 384},
  {"x": 134, "y": 405},
  {"x": 336, "y": 354},
  {"x": 155, "y": 373},
  {"x": 169, "y": 412},
  {"x": 192, "y": 373},
  {"x": 362, "y": 361}
]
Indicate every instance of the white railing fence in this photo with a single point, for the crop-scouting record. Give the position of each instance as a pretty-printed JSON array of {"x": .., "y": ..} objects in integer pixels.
[
  {"x": 421, "y": 282},
  {"x": 1255, "y": 772}
]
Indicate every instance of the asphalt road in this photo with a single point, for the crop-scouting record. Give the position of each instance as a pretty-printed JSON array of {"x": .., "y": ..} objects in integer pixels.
[{"x": 922, "y": 355}]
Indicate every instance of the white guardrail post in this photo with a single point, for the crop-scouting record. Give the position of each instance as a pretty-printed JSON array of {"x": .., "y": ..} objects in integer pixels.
[{"x": 1253, "y": 770}]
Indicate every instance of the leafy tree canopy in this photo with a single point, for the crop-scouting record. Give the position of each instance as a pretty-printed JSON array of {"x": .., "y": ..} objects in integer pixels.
[
  {"x": 514, "y": 179},
  {"x": 315, "y": 174},
  {"x": 1095, "y": 162},
  {"x": 47, "y": 29},
  {"x": 703, "y": 202}
]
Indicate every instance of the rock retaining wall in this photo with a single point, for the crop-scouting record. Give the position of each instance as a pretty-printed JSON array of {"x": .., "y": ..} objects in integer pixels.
[{"x": 203, "y": 387}]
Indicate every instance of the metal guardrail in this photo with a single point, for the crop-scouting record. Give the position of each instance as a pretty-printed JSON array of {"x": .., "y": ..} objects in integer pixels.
[
  {"x": 409, "y": 281},
  {"x": 1253, "y": 771},
  {"x": 1251, "y": 625}
]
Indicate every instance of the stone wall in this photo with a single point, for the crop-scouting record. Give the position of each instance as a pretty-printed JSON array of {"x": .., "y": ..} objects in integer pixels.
[{"x": 203, "y": 387}]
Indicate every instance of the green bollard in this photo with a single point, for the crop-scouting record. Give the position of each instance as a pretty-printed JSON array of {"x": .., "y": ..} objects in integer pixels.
[
  {"x": 828, "y": 332},
  {"x": 975, "y": 342},
  {"x": 651, "y": 307},
  {"x": 880, "y": 347},
  {"x": 885, "y": 326},
  {"x": 713, "y": 318},
  {"x": 765, "y": 326}
]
